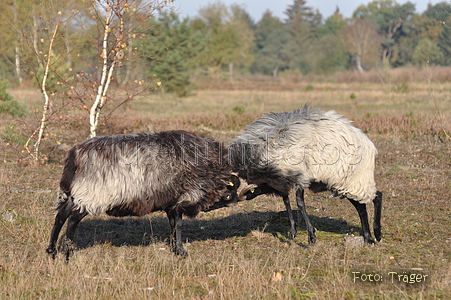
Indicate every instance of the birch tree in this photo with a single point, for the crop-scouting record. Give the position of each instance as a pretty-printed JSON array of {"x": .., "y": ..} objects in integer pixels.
[
  {"x": 391, "y": 18},
  {"x": 108, "y": 66},
  {"x": 121, "y": 21},
  {"x": 271, "y": 38},
  {"x": 75, "y": 50},
  {"x": 46, "y": 96},
  {"x": 361, "y": 39}
]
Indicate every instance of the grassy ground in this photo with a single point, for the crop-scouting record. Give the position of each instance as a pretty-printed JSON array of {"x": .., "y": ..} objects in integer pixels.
[{"x": 242, "y": 252}]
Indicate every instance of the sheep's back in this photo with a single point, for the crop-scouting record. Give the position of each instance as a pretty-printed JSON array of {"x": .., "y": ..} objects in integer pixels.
[
  {"x": 113, "y": 171},
  {"x": 137, "y": 174},
  {"x": 314, "y": 146}
]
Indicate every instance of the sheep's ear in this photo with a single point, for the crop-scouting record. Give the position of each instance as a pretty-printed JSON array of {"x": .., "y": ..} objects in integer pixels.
[{"x": 234, "y": 182}]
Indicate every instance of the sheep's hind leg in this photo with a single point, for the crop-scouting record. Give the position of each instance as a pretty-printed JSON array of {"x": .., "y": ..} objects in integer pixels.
[
  {"x": 301, "y": 204},
  {"x": 175, "y": 240},
  {"x": 68, "y": 243},
  {"x": 361, "y": 209},
  {"x": 377, "y": 201},
  {"x": 63, "y": 213},
  {"x": 286, "y": 201}
]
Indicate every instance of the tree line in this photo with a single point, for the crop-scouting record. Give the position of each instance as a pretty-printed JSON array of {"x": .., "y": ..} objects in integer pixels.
[{"x": 158, "y": 46}]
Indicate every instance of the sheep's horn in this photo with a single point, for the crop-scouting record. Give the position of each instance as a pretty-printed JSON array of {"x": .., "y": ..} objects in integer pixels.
[{"x": 246, "y": 189}]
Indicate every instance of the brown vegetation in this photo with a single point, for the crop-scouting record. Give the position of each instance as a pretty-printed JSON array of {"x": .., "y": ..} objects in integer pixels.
[
  {"x": 242, "y": 252},
  {"x": 295, "y": 80}
]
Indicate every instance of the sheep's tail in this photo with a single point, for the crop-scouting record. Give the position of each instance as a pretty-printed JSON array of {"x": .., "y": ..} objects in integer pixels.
[{"x": 67, "y": 177}]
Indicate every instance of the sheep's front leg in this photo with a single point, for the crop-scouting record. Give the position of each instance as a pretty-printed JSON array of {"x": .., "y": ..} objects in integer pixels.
[
  {"x": 361, "y": 209},
  {"x": 377, "y": 201},
  {"x": 286, "y": 201},
  {"x": 175, "y": 240},
  {"x": 301, "y": 204}
]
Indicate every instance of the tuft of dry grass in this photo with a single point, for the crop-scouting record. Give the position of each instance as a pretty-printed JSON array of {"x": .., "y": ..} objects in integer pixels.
[{"x": 243, "y": 251}]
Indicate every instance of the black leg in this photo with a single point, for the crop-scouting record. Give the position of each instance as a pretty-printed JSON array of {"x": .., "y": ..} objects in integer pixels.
[
  {"x": 286, "y": 201},
  {"x": 63, "y": 213},
  {"x": 310, "y": 229},
  {"x": 175, "y": 239},
  {"x": 361, "y": 209},
  {"x": 377, "y": 201},
  {"x": 171, "y": 218},
  {"x": 74, "y": 219}
]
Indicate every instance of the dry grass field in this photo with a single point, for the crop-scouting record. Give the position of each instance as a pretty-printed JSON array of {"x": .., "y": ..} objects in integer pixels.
[{"x": 242, "y": 252}]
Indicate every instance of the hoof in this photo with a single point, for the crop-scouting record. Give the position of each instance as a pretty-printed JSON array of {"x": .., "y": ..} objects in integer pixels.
[
  {"x": 378, "y": 234},
  {"x": 370, "y": 241},
  {"x": 51, "y": 251},
  {"x": 312, "y": 240},
  {"x": 312, "y": 236}
]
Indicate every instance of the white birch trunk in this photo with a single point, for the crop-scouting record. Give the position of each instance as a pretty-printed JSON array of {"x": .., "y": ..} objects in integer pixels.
[
  {"x": 35, "y": 38},
  {"x": 101, "y": 91},
  {"x": 275, "y": 71},
  {"x": 17, "y": 63},
  {"x": 46, "y": 99},
  {"x": 231, "y": 71},
  {"x": 107, "y": 71},
  {"x": 358, "y": 63}
]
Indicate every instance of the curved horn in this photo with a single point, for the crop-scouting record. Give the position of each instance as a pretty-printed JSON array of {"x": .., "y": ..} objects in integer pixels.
[{"x": 245, "y": 190}]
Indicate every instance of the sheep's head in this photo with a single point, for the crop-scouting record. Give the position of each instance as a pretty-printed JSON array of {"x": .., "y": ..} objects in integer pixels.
[{"x": 229, "y": 195}]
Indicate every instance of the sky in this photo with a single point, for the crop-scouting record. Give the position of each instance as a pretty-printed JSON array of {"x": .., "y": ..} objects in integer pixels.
[{"x": 256, "y": 8}]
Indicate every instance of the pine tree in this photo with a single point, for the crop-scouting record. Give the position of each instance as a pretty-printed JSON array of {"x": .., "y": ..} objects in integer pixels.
[
  {"x": 304, "y": 25},
  {"x": 172, "y": 51},
  {"x": 271, "y": 37}
]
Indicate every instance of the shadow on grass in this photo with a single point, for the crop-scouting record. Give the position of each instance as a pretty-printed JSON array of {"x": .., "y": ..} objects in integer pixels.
[{"x": 131, "y": 231}]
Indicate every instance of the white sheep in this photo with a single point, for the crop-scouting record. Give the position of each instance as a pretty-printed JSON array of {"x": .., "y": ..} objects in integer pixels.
[{"x": 313, "y": 149}]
